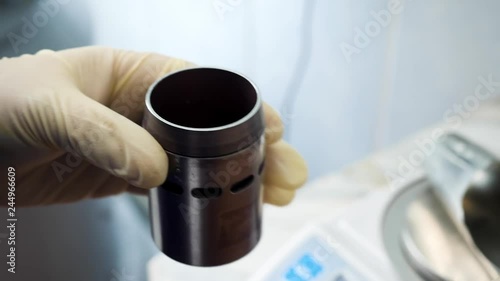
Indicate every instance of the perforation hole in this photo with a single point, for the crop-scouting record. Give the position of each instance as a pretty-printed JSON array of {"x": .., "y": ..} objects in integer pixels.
[
  {"x": 206, "y": 192},
  {"x": 261, "y": 167},
  {"x": 172, "y": 187},
  {"x": 242, "y": 184}
]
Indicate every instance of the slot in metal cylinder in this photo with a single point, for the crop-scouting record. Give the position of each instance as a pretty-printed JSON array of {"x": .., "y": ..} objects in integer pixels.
[{"x": 210, "y": 123}]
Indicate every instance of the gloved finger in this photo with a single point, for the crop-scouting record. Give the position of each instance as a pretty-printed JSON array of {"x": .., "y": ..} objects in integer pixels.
[
  {"x": 274, "y": 125},
  {"x": 278, "y": 196},
  {"x": 76, "y": 123},
  {"x": 124, "y": 149},
  {"x": 119, "y": 78},
  {"x": 284, "y": 167}
]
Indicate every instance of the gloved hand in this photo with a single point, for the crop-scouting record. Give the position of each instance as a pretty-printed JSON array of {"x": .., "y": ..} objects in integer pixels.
[{"x": 69, "y": 126}]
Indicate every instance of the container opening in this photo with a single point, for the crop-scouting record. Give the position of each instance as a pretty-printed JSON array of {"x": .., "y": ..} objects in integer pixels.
[{"x": 203, "y": 98}]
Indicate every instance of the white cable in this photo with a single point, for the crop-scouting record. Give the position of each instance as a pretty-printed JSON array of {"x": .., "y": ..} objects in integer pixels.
[{"x": 301, "y": 66}]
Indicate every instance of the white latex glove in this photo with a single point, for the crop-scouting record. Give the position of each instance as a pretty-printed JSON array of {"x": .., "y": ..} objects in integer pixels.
[{"x": 69, "y": 126}]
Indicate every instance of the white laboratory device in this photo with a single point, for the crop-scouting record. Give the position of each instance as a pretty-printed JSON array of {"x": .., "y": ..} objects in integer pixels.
[{"x": 416, "y": 231}]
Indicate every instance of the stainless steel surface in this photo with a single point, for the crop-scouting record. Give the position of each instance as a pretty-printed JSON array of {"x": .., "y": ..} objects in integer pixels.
[
  {"x": 424, "y": 242},
  {"x": 467, "y": 178},
  {"x": 435, "y": 246},
  {"x": 454, "y": 165},
  {"x": 210, "y": 122}
]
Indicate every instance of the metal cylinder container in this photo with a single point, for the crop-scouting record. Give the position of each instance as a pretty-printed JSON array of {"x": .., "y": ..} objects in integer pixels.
[{"x": 210, "y": 123}]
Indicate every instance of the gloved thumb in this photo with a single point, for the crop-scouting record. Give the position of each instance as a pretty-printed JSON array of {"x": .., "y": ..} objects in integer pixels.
[
  {"x": 74, "y": 122},
  {"x": 115, "y": 143},
  {"x": 119, "y": 79},
  {"x": 90, "y": 101}
]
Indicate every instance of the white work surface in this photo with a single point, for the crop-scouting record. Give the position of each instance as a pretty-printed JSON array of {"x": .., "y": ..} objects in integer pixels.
[{"x": 324, "y": 198}]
